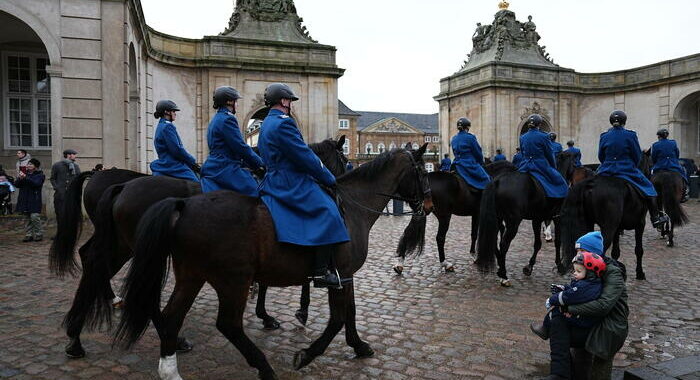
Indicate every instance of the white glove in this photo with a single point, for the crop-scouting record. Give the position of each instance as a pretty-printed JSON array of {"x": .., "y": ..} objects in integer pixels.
[{"x": 546, "y": 304}]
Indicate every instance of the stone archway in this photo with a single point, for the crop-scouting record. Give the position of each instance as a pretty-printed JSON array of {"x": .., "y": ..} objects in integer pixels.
[
  {"x": 685, "y": 125},
  {"x": 545, "y": 127}
]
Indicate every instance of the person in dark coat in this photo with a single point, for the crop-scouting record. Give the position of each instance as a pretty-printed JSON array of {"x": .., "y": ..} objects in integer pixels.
[
  {"x": 538, "y": 159},
  {"x": 517, "y": 157},
  {"x": 227, "y": 150},
  {"x": 619, "y": 154},
  {"x": 348, "y": 166},
  {"x": 469, "y": 159},
  {"x": 446, "y": 163},
  {"x": 556, "y": 147},
  {"x": 62, "y": 173},
  {"x": 173, "y": 159},
  {"x": 303, "y": 214},
  {"x": 499, "y": 156},
  {"x": 665, "y": 156},
  {"x": 576, "y": 152},
  {"x": 29, "y": 199}
]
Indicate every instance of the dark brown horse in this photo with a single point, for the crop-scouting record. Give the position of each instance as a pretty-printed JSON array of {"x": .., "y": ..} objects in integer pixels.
[
  {"x": 189, "y": 232},
  {"x": 111, "y": 245},
  {"x": 669, "y": 187}
]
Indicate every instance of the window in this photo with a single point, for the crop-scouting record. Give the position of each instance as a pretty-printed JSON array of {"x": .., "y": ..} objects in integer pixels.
[
  {"x": 392, "y": 146},
  {"x": 346, "y": 147},
  {"x": 429, "y": 167},
  {"x": 368, "y": 148},
  {"x": 27, "y": 90},
  {"x": 381, "y": 148},
  {"x": 343, "y": 124},
  {"x": 435, "y": 139},
  {"x": 427, "y": 138}
]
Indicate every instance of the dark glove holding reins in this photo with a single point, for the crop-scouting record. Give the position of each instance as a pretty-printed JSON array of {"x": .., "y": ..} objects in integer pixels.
[
  {"x": 196, "y": 168},
  {"x": 260, "y": 172}
]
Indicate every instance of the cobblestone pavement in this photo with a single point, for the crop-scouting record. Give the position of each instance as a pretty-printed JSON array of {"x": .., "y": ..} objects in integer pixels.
[{"x": 424, "y": 325}]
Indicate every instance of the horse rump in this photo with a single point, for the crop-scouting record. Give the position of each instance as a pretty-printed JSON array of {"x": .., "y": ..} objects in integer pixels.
[
  {"x": 670, "y": 186},
  {"x": 487, "y": 243}
]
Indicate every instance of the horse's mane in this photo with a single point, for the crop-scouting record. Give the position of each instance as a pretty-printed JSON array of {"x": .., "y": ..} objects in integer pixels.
[
  {"x": 373, "y": 168},
  {"x": 498, "y": 165},
  {"x": 323, "y": 147}
]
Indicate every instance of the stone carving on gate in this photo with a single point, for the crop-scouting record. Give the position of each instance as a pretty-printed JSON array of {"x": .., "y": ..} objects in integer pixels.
[
  {"x": 535, "y": 109},
  {"x": 267, "y": 11}
]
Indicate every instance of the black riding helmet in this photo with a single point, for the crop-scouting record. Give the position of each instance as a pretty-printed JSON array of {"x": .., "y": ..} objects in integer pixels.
[
  {"x": 534, "y": 121},
  {"x": 552, "y": 136},
  {"x": 463, "y": 123},
  {"x": 618, "y": 118},
  {"x": 663, "y": 133},
  {"x": 164, "y": 105},
  {"x": 276, "y": 92},
  {"x": 224, "y": 94}
]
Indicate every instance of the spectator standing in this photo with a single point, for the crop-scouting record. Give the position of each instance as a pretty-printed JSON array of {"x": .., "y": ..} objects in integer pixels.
[
  {"x": 29, "y": 199},
  {"x": 22, "y": 160},
  {"x": 62, "y": 173}
]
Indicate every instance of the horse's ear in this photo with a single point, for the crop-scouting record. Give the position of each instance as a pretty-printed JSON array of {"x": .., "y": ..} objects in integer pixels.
[
  {"x": 422, "y": 149},
  {"x": 340, "y": 143},
  {"x": 408, "y": 146}
]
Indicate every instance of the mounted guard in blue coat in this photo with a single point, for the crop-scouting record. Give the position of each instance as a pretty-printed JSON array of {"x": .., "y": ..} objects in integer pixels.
[
  {"x": 446, "y": 163},
  {"x": 303, "y": 213},
  {"x": 499, "y": 156},
  {"x": 173, "y": 159},
  {"x": 223, "y": 169},
  {"x": 619, "y": 154},
  {"x": 538, "y": 159},
  {"x": 556, "y": 147},
  {"x": 665, "y": 156},
  {"x": 469, "y": 159},
  {"x": 576, "y": 152},
  {"x": 517, "y": 157}
]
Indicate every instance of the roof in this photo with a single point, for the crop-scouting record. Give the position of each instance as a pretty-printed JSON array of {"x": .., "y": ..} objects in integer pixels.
[
  {"x": 428, "y": 123},
  {"x": 345, "y": 110}
]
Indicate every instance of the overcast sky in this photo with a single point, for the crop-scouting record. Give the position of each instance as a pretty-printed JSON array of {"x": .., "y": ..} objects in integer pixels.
[{"x": 394, "y": 52}]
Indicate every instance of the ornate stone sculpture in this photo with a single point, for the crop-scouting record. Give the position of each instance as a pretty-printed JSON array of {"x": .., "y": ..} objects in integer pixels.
[
  {"x": 282, "y": 11},
  {"x": 531, "y": 34}
]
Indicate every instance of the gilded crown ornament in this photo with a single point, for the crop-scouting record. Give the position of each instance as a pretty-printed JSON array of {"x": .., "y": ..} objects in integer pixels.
[{"x": 503, "y": 5}]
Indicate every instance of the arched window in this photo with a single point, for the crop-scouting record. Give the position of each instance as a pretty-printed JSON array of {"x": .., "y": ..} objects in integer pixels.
[
  {"x": 346, "y": 147},
  {"x": 392, "y": 146},
  {"x": 368, "y": 148},
  {"x": 415, "y": 146},
  {"x": 381, "y": 148}
]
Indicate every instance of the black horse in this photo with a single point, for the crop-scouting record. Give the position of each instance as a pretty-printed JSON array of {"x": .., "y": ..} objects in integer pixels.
[
  {"x": 188, "y": 231},
  {"x": 669, "y": 187},
  {"x": 115, "y": 217},
  {"x": 451, "y": 196}
]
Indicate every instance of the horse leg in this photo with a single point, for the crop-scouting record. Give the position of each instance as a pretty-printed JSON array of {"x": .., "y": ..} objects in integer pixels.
[
  {"x": 669, "y": 243},
  {"x": 362, "y": 349},
  {"x": 557, "y": 246},
  {"x": 169, "y": 322},
  {"x": 232, "y": 303},
  {"x": 475, "y": 233},
  {"x": 616, "y": 245},
  {"x": 536, "y": 225},
  {"x": 337, "y": 299},
  {"x": 548, "y": 231},
  {"x": 269, "y": 323},
  {"x": 443, "y": 226},
  {"x": 639, "y": 251},
  {"x": 303, "y": 313},
  {"x": 511, "y": 230}
]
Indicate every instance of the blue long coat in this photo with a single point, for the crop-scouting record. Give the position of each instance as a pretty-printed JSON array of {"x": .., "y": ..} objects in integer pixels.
[
  {"x": 576, "y": 152},
  {"x": 517, "y": 159},
  {"x": 619, "y": 154},
  {"x": 222, "y": 170},
  {"x": 445, "y": 164},
  {"x": 499, "y": 157},
  {"x": 29, "y": 198},
  {"x": 665, "y": 155},
  {"x": 556, "y": 148},
  {"x": 468, "y": 160},
  {"x": 538, "y": 161},
  {"x": 303, "y": 214},
  {"x": 173, "y": 159}
]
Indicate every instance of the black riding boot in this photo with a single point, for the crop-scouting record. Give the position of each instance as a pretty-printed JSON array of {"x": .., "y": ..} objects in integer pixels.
[
  {"x": 324, "y": 274},
  {"x": 657, "y": 220}
]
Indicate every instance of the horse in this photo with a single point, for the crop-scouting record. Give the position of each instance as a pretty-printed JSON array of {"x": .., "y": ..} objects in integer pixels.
[
  {"x": 188, "y": 232},
  {"x": 565, "y": 166},
  {"x": 110, "y": 246},
  {"x": 669, "y": 187},
  {"x": 451, "y": 196},
  {"x": 509, "y": 199}
]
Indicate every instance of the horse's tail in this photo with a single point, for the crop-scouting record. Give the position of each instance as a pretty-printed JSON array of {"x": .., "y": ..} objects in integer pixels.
[
  {"x": 62, "y": 251},
  {"x": 92, "y": 303},
  {"x": 487, "y": 243},
  {"x": 671, "y": 202},
  {"x": 148, "y": 272},
  {"x": 412, "y": 240},
  {"x": 572, "y": 220}
]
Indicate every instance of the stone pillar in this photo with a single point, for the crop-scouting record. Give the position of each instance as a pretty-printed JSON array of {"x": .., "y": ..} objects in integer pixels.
[{"x": 113, "y": 109}]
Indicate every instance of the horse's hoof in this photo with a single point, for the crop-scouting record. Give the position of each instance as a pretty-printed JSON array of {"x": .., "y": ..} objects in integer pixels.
[
  {"x": 270, "y": 324},
  {"x": 117, "y": 302},
  {"x": 669, "y": 243},
  {"x": 506, "y": 283},
  {"x": 301, "y": 359},
  {"x": 268, "y": 375},
  {"x": 548, "y": 240},
  {"x": 302, "y": 317},
  {"x": 364, "y": 351},
  {"x": 183, "y": 345},
  {"x": 74, "y": 349},
  {"x": 527, "y": 270},
  {"x": 448, "y": 267},
  {"x": 398, "y": 269}
]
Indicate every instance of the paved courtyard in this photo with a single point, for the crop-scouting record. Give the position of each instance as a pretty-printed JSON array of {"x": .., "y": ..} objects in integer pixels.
[{"x": 425, "y": 324}]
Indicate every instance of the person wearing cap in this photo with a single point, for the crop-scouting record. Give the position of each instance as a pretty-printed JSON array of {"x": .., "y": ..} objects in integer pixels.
[
  {"x": 539, "y": 160},
  {"x": 30, "y": 183},
  {"x": 173, "y": 159},
  {"x": 574, "y": 151},
  {"x": 223, "y": 169},
  {"x": 302, "y": 212},
  {"x": 62, "y": 173},
  {"x": 517, "y": 157},
  {"x": 666, "y": 156}
]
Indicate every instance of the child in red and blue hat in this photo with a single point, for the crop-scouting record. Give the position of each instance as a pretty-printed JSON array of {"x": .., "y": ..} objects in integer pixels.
[{"x": 585, "y": 285}]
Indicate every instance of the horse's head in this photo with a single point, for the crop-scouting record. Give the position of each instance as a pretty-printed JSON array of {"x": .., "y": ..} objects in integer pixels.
[
  {"x": 331, "y": 154},
  {"x": 645, "y": 163},
  {"x": 565, "y": 165},
  {"x": 414, "y": 186}
]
